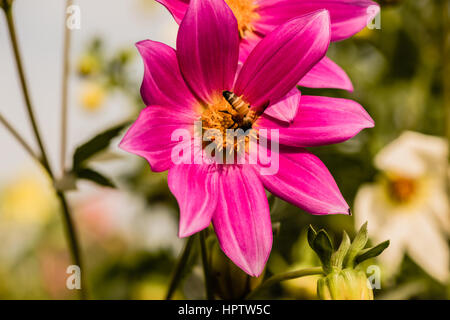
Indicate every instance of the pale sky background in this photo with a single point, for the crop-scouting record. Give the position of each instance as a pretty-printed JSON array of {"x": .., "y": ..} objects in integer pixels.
[{"x": 39, "y": 25}]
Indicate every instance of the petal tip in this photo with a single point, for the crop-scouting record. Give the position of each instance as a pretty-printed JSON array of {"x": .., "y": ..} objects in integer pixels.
[
  {"x": 323, "y": 14},
  {"x": 186, "y": 230},
  {"x": 345, "y": 210},
  {"x": 369, "y": 123},
  {"x": 253, "y": 270},
  {"x": 123, "y": 144},
  {"x": 184, "y": 233},
  {"x": 348, "y": 85},
  {"x": 140, "y": 43}
]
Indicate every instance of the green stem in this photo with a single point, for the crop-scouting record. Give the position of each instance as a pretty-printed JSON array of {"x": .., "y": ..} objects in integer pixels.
[
  {"x": 64, "y": 91},
  {"x": 73, "y": 240},
  {"x": 43, "y": 159},
  {"x": 206, "y": 273},
  {"x": 178, "y": 272},
  {"x": 25, "y": 91},
  {"x": 283, "y": 277}
]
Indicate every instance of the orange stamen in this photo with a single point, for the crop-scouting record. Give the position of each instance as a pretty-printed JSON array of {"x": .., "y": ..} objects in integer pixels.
[{"x": 245, "y": 13}]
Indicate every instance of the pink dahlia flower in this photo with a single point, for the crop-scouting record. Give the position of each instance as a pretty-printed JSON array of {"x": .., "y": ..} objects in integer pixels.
[
  {"x": 257, "y": 18},
  {"x": 187, "y": 85}
]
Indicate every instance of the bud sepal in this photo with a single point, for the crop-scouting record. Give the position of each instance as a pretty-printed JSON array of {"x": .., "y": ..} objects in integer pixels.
[
  {"x": 346, "y": 284},
  {"x": 342, "y": 279}
]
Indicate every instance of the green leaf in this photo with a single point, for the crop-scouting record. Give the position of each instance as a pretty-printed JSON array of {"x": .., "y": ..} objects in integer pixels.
[
  {"x": 357, "y": 245},
  {"x": 324, "y": 248},
  {"x": 95, "y": 145},
  {"x": 94, "y": 176},
  {"x": 371, "y": 252},
  {"x": 338, "y": 257}
]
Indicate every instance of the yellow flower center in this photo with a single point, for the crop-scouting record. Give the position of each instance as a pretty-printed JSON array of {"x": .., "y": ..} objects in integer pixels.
[
  {"x": 402, "y": 189},
  {"x": 245, "y": 13},
  {"x": 220, "y": 116}
]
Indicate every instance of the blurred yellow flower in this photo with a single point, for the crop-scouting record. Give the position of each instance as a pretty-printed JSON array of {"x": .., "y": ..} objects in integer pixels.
[
  {"x": 88, "y": 64},
  {"x": 28, "y": 199},
  {"x": 92, "y": 96},
  {"x": 409, "y": 204}
]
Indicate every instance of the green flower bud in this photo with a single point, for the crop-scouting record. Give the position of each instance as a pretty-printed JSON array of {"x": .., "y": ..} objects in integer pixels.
[
  {"x": 342, "y": 280},
  {"x": 347, "y": 284},
  {"x": 229, "y": 281}
]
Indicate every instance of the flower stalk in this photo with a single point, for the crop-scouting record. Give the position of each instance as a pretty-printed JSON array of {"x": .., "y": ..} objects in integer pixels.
[
  {"x": 206, "y": 271},
  {"x": 42, "y": 157},
  {"x": 283, "y": 277},
  {"x": 178, "y": 272},
  {"x": 64, "y": 95}
]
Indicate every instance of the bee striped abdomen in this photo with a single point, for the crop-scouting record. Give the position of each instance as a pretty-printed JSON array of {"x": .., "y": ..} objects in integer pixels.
[{"x": 241, "y": 107}]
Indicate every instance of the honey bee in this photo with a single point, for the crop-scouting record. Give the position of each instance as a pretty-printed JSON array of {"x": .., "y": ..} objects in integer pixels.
[{"x": 244, "y": 117}]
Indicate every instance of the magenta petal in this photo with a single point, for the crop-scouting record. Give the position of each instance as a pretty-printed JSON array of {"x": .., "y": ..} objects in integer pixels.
[
  {"x": 283, "y": 57},
  {"x": 286, "y": 109},
  {"x": 150, "y": 136},
  {"x": 348, "y": 17},
  {"x": 163, "y": 83},
  {"x": 208, "y": 48},
  {"x": 176, "y": 7},
  {"x": 321, "y": 121},
  {"x": 247, "y": 45},
  {"x": 242, "y": 220},
  {"x": 194, "y": 186},
  {"x": 304, "y": 181},
  {"x": 326, "y": 74}
]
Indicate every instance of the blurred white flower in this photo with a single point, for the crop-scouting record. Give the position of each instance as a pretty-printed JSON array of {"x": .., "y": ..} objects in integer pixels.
[
  {"x": 157, "y": 229},
  {"x": 408, "y": 204}
]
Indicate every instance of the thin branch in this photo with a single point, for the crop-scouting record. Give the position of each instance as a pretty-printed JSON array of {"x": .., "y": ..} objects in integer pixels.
[{"x": 19, "y": 139}]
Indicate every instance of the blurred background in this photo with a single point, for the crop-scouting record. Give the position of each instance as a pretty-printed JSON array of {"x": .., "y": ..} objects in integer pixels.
[{"x": 129, "y": 233}]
